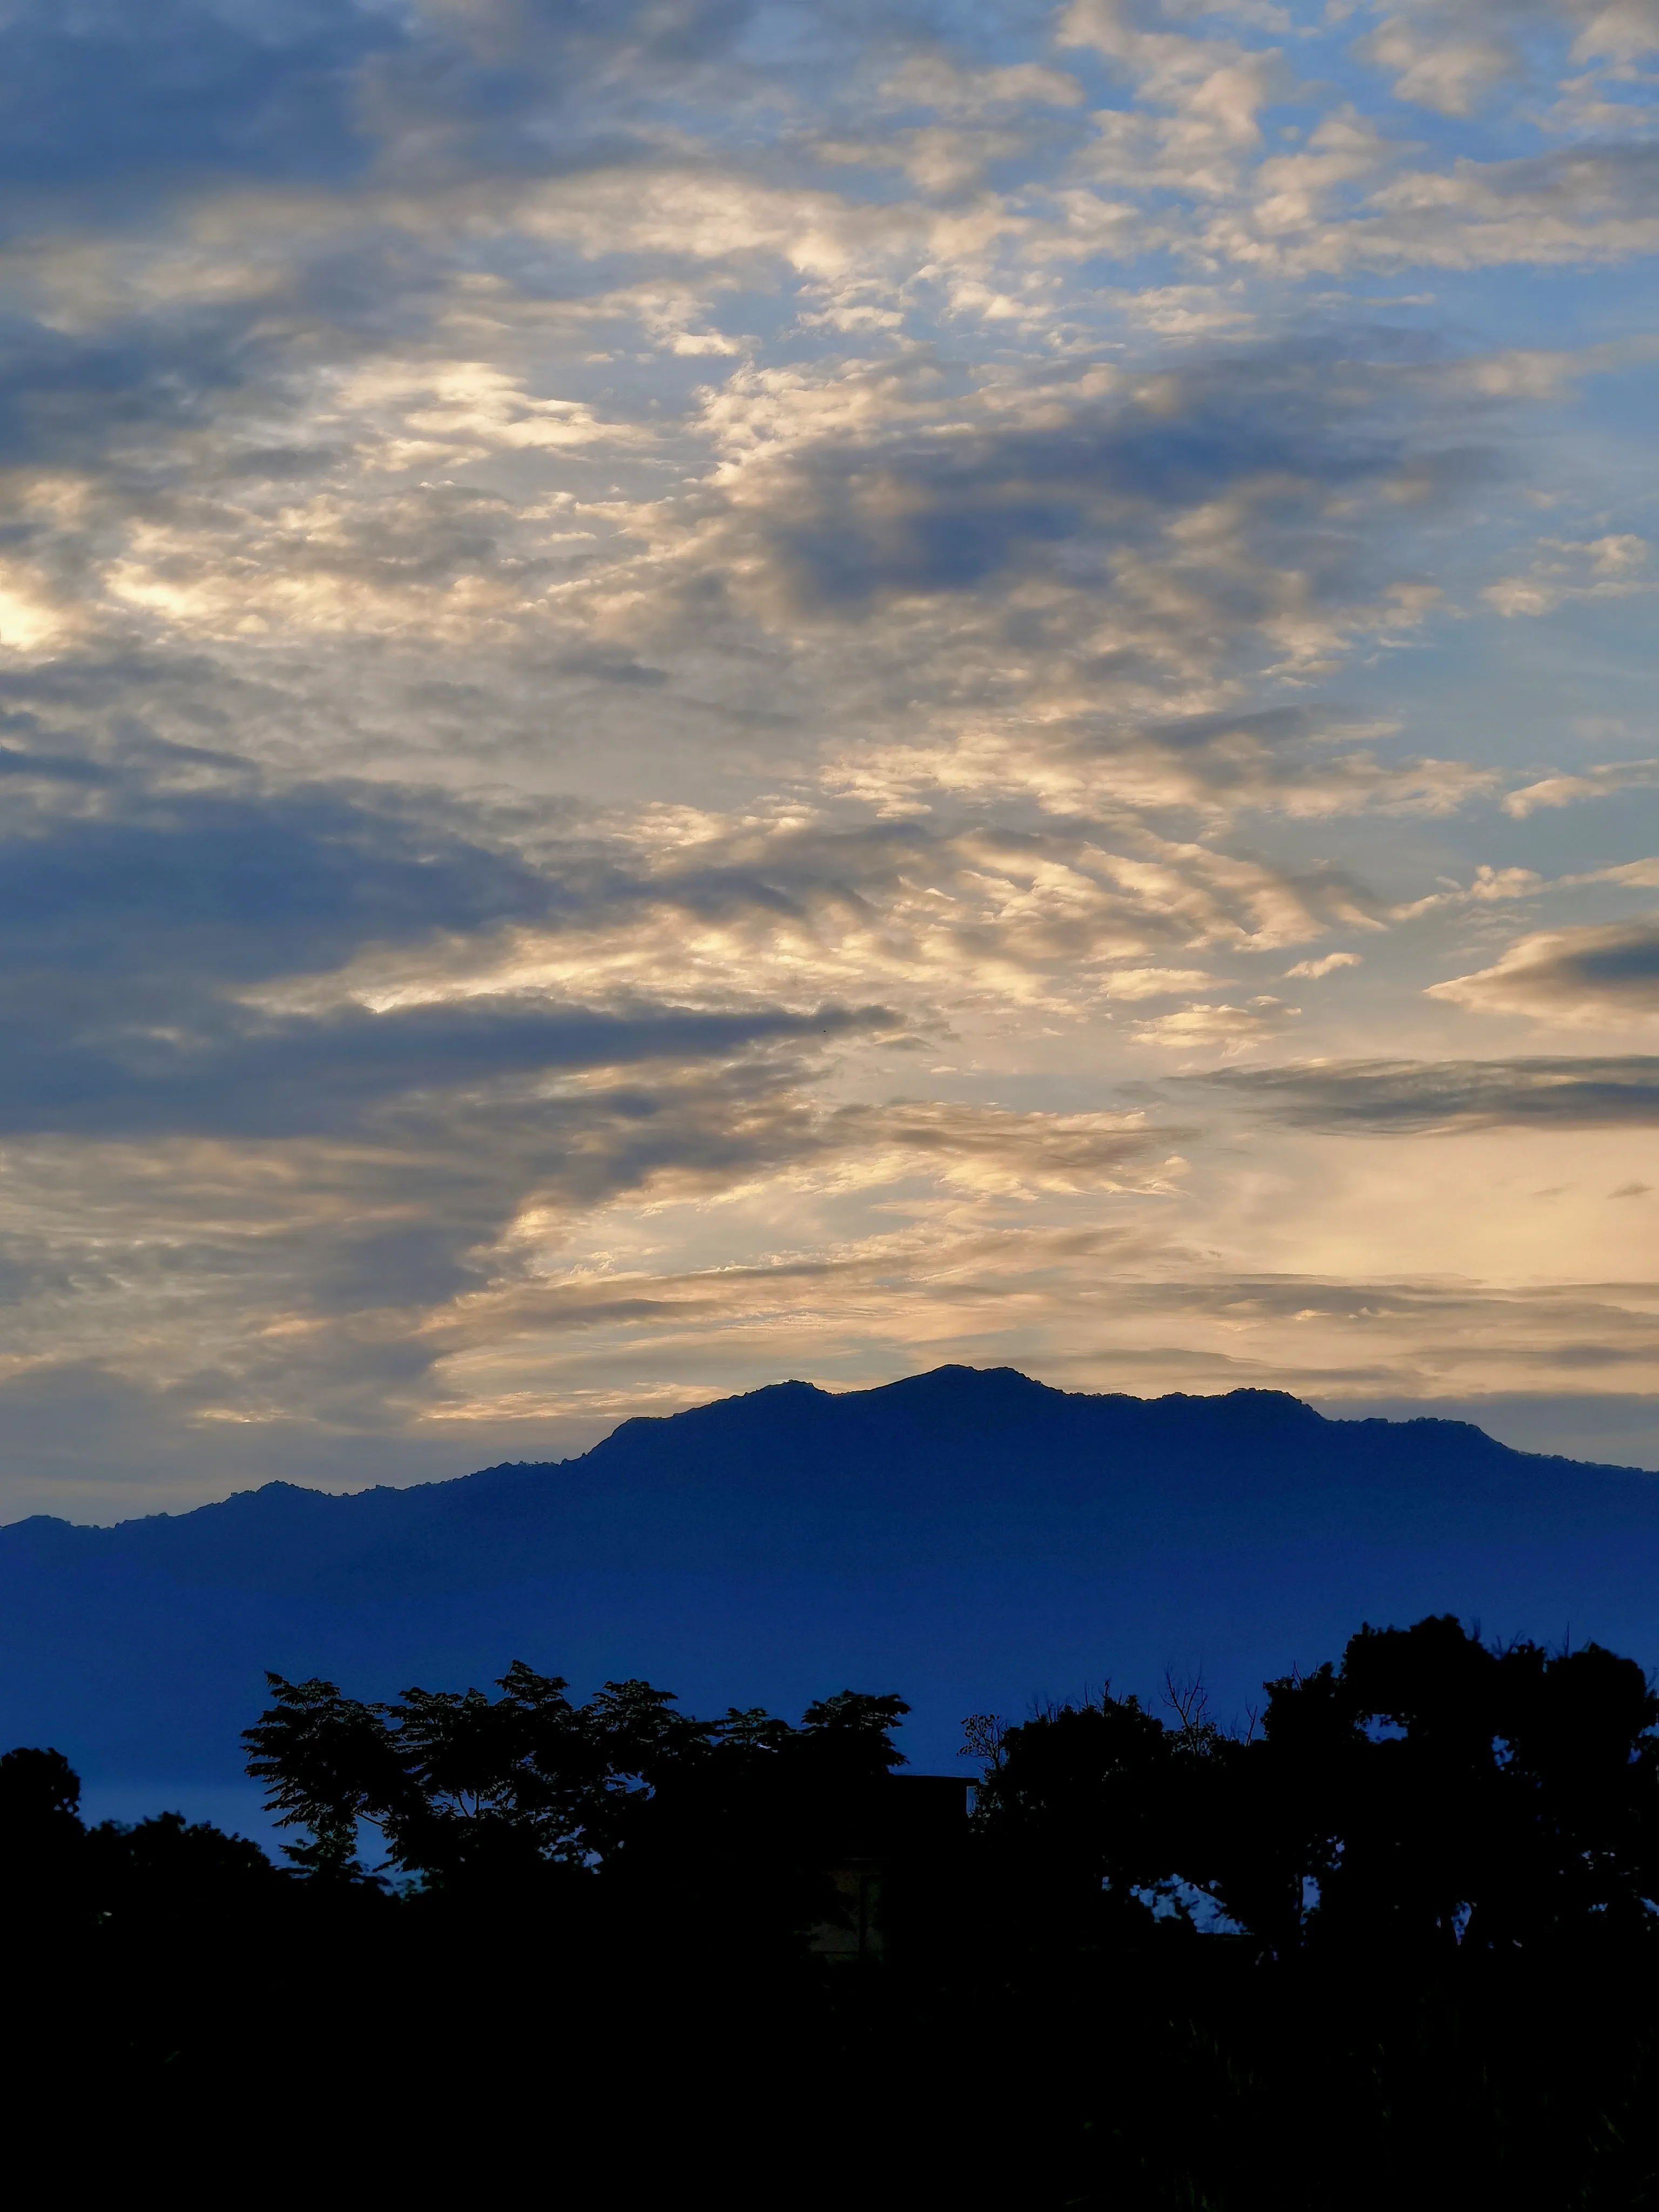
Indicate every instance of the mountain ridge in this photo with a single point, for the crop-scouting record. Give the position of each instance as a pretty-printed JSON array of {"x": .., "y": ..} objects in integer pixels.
[
  {"x": 970, "y": 1537},
  {"x": 650, "y": 1424}
]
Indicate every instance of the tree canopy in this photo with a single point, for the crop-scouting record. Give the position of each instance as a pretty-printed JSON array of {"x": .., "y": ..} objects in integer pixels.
[
  {"x": 1429, "y": 1790},
  {"x": 1390, "y": 1941},
  {"x": 464, "y": 1787}
]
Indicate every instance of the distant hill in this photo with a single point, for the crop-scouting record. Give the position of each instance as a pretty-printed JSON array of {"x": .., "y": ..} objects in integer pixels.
[{"x": 969, "y": 1537}]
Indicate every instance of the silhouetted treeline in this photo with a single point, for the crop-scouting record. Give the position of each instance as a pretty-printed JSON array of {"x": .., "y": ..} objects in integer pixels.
[{"x": 1393, "y": 1939}]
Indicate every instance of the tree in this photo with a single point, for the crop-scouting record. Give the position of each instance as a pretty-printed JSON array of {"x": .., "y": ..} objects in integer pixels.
[
  {"x": 39, "y": 1801},
  {"x": 42, "y": 1842},
  {"x": 1088, "y": 1811},
  {"x": 463, "y": 1786},
  {"x": 729, "y": 1826},
  {"x": 1433, "y": 1793},
  {"x": 328, "y": 1763}
]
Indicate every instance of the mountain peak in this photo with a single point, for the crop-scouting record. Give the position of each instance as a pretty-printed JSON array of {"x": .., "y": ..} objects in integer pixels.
[{"x": 969, "y": 1537}]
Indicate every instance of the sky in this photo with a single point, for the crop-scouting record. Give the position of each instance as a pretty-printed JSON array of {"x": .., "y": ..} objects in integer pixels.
[{"x": 694, "y": 691}]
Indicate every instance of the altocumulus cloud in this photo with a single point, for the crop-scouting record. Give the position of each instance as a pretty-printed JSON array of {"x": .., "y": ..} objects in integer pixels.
[
  {"x": 654, "y": 658},
  {"x": 1605, "y": 972},
  {"x": 139, "y": 927}
]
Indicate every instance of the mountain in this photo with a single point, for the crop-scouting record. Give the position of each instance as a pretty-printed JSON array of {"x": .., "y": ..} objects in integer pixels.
[{"x": 970, "y": 1538}]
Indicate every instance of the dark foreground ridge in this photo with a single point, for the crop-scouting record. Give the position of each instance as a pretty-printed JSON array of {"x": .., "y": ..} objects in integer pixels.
[{"x": 978, "y": 1536}]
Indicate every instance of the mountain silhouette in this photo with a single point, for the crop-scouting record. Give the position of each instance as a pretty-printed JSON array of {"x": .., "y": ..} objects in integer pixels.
[{"x": 971, "y": 1538}]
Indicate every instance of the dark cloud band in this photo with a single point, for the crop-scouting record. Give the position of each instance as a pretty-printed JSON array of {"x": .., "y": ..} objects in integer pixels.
[{"x": 1385, "y": 1097}]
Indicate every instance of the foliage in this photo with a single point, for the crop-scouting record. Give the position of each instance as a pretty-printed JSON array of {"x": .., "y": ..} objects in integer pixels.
[
  {"x": 1429, "y": 1791},
  {"x": 1393, "y": 1942},
  {"x": 466, "y": 1788}
]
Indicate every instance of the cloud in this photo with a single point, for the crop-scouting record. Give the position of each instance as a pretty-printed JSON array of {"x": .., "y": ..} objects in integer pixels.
[
  {"x": 1155, "y": 982},
  {"x": 572, "y": 602},
  {"x": 1331, "y": 961},
  {"x": 1140, "y": 1325},
  {"x": 1603, "y": 567},
  {"x": 1222, "y": 1029},
  {"x": 1352, "y": 194},
  {"x": 1585, "y": 203},
  {"x": 1217, "y": 765},
  {"x": 97, "y": 100},
  {"x": 1352, "y": 202},
  {"x": 991, "y": 1152},
  {"x": 194, "y": 946},
  {"x": 148, "y": 933},
  {"x": 1599, "y": 972},
  {"x": 873, "y": 503},
  {"x": 304, "y": 1077},
  {"x": 1603, "y": 781},
  {"x": 333, "y": 1288},
  {"x": 104, "y": 108},
  {"x": 1074, "y": 587},
  {"x": 912, "y": 912},
  {"x": 930, "y": 916},
  {"x": 1491, "y": 886},
  {"x": 1440, "y": 66},
  {"x": 1387, "y": 1097},
  {"x": 939, "y": 82},
  {"x": 1452, "y": 56},
  {"x": 1126, "y": 559}
]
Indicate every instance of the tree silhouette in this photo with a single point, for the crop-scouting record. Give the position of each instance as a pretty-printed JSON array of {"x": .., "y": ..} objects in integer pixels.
[
  {"x": 1428, "y": 1794},
  {"x": 1434, "y": 1793},
  {"x": 465, "y": 1788},
  {"x": 1395, "y": 1945},
  {"x": 328, "y": 1763}
]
